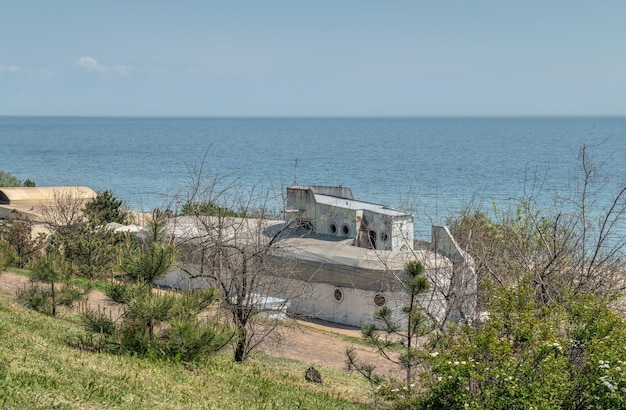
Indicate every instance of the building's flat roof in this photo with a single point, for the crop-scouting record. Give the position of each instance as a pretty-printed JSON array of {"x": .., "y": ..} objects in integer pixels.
[
  {"x": 306, "y": 245},
  {"x": 26, "y": 196},
  {"x": 326, "y": 250},
  {"x": 357, "y": 205},
  {"x": 29, "y": 201}
]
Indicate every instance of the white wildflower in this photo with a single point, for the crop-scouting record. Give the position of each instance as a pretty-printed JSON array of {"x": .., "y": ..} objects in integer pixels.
[
  {"x": 608, "y": 384},
  {"x": 434, "y": 354}
]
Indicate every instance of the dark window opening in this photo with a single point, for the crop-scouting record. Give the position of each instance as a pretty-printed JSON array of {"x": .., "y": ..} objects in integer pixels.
[
  {"x": 338, "y": 295},
  {"x": 372, "y": 239}
]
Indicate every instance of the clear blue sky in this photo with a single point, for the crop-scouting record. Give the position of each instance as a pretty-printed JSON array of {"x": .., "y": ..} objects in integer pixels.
[{"x": 313, "y": 58}]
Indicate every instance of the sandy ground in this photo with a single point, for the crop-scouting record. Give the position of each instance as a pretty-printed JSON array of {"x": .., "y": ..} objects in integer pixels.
[{"x": 313, "y": 343}]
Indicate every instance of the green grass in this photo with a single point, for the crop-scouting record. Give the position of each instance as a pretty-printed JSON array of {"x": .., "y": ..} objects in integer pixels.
[
  {"x": 38, "y": 369},
  {"x": 18, "y": 271},
  {"x": 84, "y": 283},
  {"x": 100, "y": 285}
]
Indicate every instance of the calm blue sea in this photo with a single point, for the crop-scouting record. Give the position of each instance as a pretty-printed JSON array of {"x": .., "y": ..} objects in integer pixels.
[{"x": 430, "y": 165}]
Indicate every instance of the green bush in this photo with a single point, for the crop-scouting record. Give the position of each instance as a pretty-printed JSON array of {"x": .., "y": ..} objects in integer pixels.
[
  {"x": 19, "y": 242},
  {"x": 98, "y": 322},
  {"x": 408, "y": 327},
  {"x": 9, "y": 180},
  {"x": 211, "y": 209},
  {"x": 527, "y": 355},
  {"x": 187, "y": 338},
  {"x": 156, "y": 324},
  {"x": 163, "y": 326},
  {"x": 106, "y": 208},
  {"x": 7, "y": 258},
  {"x": 50, "y": 285},
  {"x": 92, "y": 250}
]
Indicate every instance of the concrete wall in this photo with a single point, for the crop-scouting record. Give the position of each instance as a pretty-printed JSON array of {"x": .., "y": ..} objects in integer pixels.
[
  {"x": 353, "y": 306},
  {"x": 402, "y": 233},
  {"x": 339, "y": 302},
  {"x": 391, "y": 232},
  {"x": 338, "y": 191},
  {"x": 329, "y": 217},
  {"x": 462, "y": 295}
]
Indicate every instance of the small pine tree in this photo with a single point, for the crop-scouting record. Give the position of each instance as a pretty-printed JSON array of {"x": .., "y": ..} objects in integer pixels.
[
  {"x": 50, "y": 285},
  {"x": 161, "y": 324},
  {"x": 411, "y": 324},
  {"x": 150, "y": 256},
  {"x": 106, "y": 208},
  {"x": 17, "y": 233},
  {"x": 7, "y": 257},
  {"x": 92, "y": 249}
]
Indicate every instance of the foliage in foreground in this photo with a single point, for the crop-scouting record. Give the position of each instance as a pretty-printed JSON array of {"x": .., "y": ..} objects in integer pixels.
[
  {"x": 157, "y": 324},
  {"x": 106, "y": 208},
  {"x": 92, "y": 249},
  {"x": 39, "y": 370},
  {"x": 161, "y": 326},
  {"x": 410, "y": 324},
  {"x": 573, "y": 246},
  {"x": 528, "y": 355},
  {"x": 210, "y": 209},
  {"x": 50, "y": 285},
  {"x": 19, "y": 244},
  {"x": 86, "y": 240},
  {"x": 232, "y": 251},
  {"x": 7, "y": 258}
]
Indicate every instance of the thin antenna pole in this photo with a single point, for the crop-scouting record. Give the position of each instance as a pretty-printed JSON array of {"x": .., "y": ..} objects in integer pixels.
[{"x": 295, "y": 173}]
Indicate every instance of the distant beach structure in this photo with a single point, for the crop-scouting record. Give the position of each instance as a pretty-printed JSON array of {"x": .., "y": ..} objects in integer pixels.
[{"x": 33, "y": 202}]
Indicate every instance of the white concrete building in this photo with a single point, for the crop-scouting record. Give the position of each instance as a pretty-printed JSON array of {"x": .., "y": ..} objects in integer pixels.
[
  {"x": 334, "y": 211},
  {"x": 347, "y": 258}
]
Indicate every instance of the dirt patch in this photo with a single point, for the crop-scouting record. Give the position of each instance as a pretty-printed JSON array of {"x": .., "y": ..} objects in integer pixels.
[
  {"x": 313, "y": 343},
  {"x": 11, "y": 282},
  {"x": 324, "y": 345}
]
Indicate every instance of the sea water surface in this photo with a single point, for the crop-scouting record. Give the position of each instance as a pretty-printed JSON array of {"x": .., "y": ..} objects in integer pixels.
[{"x": 431, "y": 166}]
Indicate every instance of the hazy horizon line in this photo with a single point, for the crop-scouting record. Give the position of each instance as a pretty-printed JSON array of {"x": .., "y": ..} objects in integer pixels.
[{"x": 192, "y": 116}]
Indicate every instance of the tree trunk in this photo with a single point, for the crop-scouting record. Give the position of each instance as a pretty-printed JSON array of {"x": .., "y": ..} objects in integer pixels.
[
  {"x": 54, "y": 302},
  {"x": 240, "y": 349}
]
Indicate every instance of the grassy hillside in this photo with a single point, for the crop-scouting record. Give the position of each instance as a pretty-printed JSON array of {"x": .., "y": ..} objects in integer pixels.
[{"x": 38, "y": 369}]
